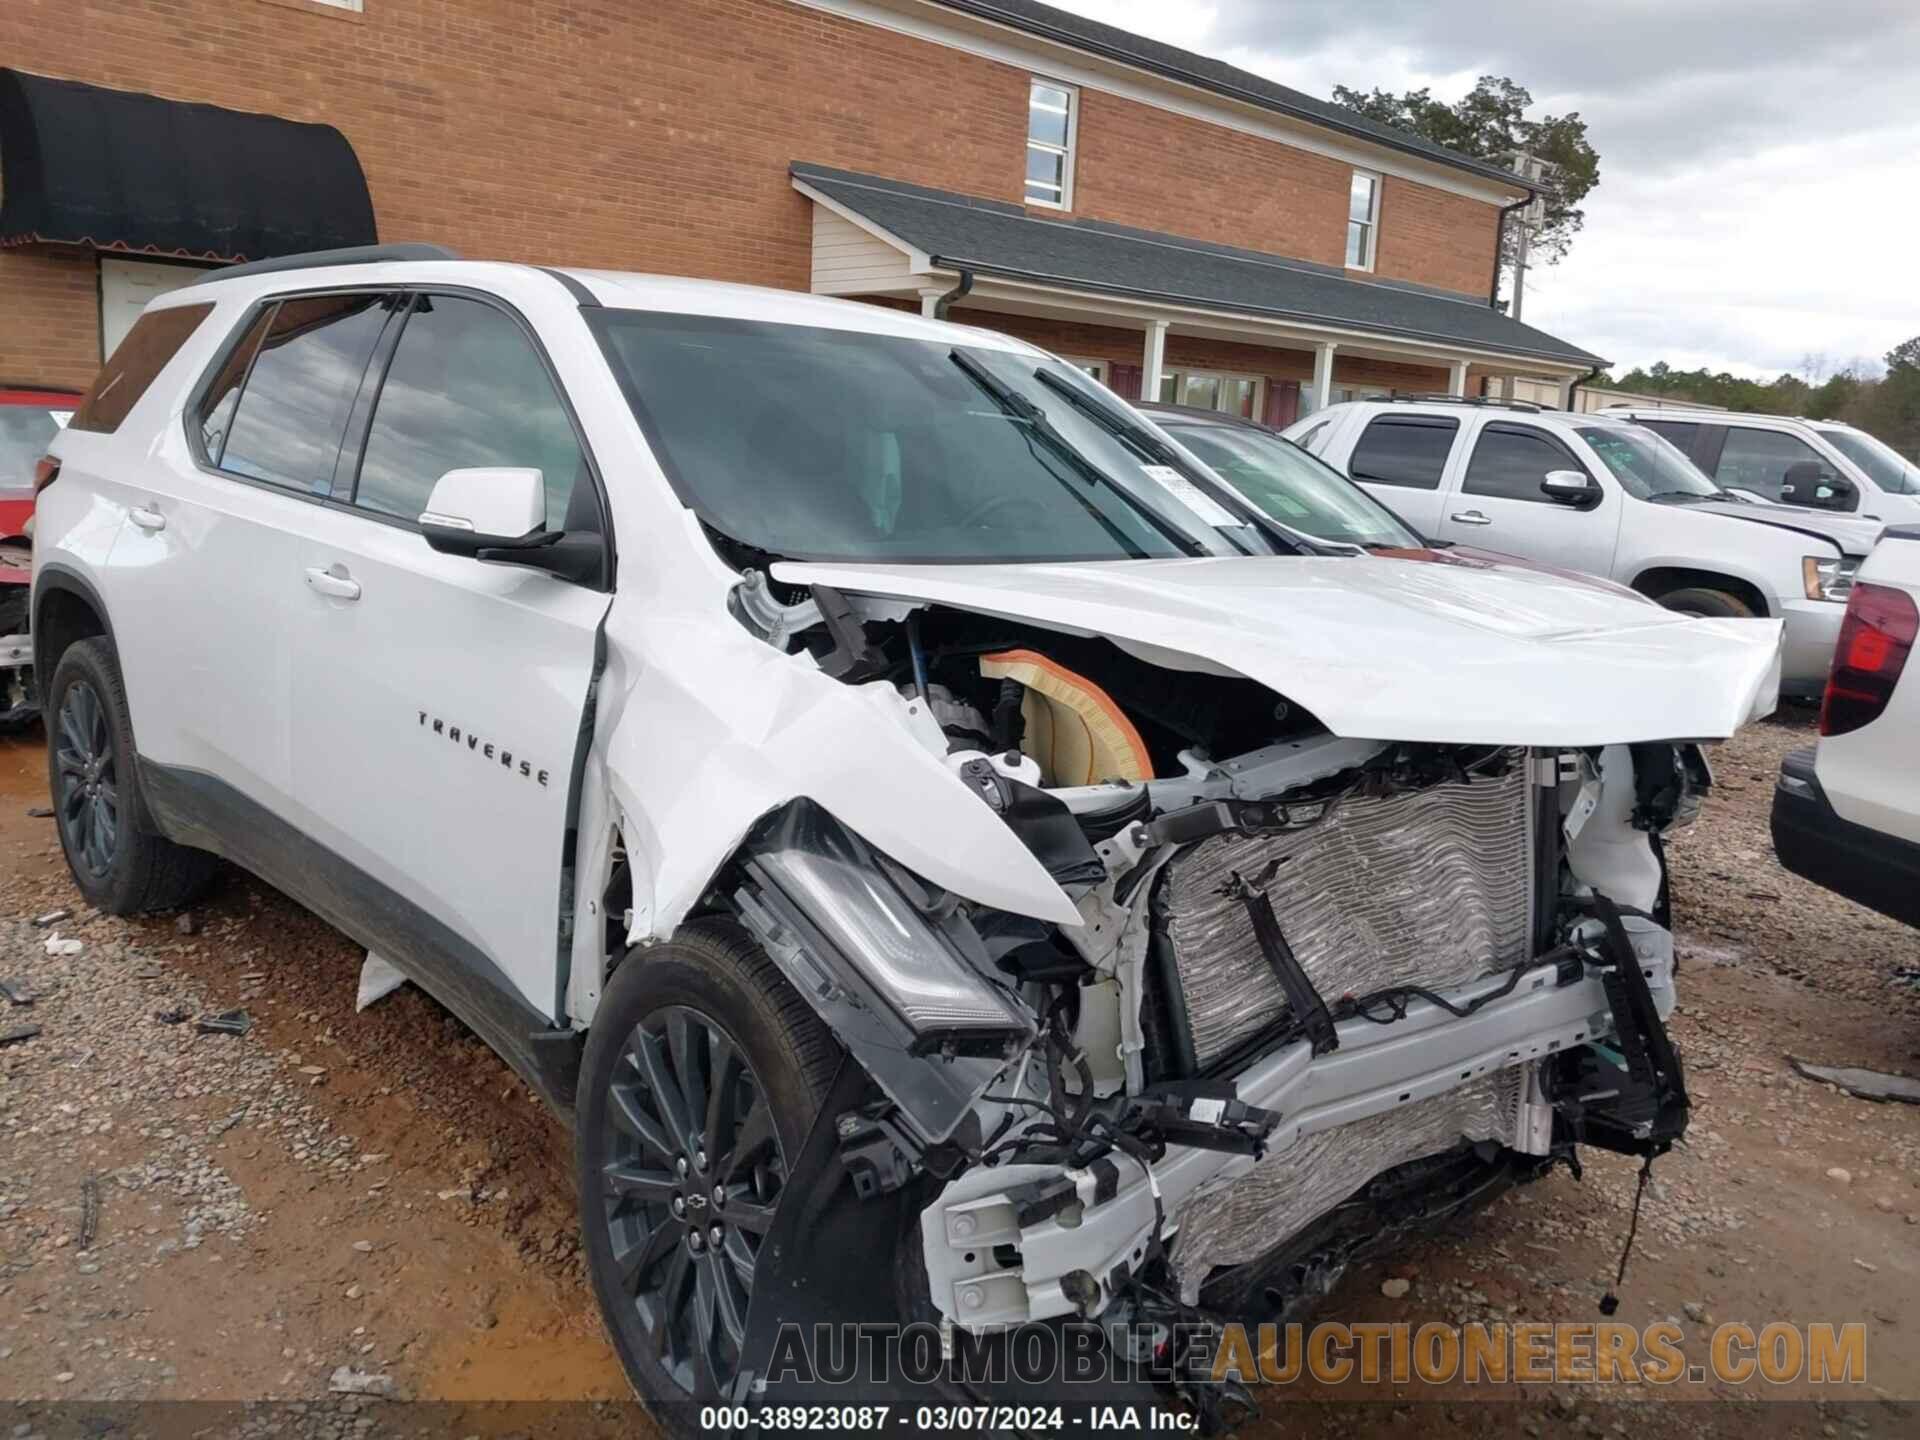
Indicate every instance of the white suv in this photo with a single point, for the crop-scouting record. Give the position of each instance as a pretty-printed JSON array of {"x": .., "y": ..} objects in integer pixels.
[
  {"x": 1846, "y": 813},
  {"x": 1821, "y": 464},
  {"x": 950, "y": 859},
  {"x": 1605, "y": 496}
]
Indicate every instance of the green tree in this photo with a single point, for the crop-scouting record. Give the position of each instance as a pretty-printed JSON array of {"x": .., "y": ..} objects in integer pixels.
[{"x": 1490, "y": 123}]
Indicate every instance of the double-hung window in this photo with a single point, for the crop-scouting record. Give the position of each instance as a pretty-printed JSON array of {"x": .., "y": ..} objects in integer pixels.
[
  {"x": 1050, "y": 126},
  {"x": 1363, "y": 220}
]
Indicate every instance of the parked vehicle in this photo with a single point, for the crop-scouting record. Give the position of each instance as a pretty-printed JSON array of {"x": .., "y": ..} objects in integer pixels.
[
  {"x": 1604, "y": 495},
  {"x": 1846, "y": 813},
  {"x": 950, "y": 857},
  {"x": 30, "y": 416},
  {"x": 1820, "y": 464}
]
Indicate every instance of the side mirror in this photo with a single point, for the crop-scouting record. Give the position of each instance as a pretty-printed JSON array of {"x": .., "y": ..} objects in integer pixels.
[
  {"x": 1808, "y": 482},
  {"x": 474, "y": 512},
  {"x": 1571, "y": 487}
]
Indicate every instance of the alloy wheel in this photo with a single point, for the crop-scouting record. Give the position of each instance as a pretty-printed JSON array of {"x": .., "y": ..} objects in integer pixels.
[
  {"x": 88, "y": 798},
  {"x": 689, "y": 1191}
]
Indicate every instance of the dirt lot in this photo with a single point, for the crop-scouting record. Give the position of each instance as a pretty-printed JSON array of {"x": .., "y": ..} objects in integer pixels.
[{"x": 210, "y": 1217}]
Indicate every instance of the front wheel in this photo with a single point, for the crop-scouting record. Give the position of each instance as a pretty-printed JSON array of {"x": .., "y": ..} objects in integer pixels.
[
  {"x": 1714, "y": 604},
  {"x": 702, "y": 1075}
]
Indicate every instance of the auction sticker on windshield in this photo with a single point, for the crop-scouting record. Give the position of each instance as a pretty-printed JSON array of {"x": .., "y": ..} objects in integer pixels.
[{"x": 1192, "y": 496}]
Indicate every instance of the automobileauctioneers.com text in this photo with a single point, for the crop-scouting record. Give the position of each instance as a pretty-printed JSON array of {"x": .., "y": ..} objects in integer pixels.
[{"x": 1331, "y": 1353}]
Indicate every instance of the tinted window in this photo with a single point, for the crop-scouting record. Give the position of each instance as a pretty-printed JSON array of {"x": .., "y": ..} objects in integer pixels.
[
  {"x": 25, "y": 433},
  {"x": 1758, "y": 459},
  {"x": 217, "y": 405},
  {"x": 293, "y": 406},
  {"x": 1509, "y": 462},
  {"x": 1675, "y": 432},
  {"x": 1647, "y": 466},
  {"x": 466, "y": 388},
  {"x": 1406, "y": 450},
  {"x": 155, "y": 339}
]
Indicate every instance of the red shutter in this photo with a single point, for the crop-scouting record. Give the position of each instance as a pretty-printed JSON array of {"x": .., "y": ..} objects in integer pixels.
[
  {"x": 1124, "y": 381},
  {"x": 1283, "y": 403}
]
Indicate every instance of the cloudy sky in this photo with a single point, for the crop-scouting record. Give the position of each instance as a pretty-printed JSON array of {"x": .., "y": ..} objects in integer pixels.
[{"x": 1759, "y": 196}]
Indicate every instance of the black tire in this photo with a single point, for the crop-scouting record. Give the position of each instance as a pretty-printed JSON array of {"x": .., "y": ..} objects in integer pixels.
[
  {"x": 1701, "y": 601},
  {"x": 641, "y": 1207},
  {"x": 120, "y": 861}
]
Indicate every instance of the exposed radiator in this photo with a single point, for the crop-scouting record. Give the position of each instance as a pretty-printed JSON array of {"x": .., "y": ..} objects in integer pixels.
[
  {"x": 1292, "y": 1187},
  {"x": 1430, "y": 887}
]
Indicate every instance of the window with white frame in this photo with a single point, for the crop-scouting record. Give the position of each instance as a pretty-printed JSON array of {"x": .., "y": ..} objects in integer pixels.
[
  {"x": 1363, "y": 220},
  {"x": 1212, "y": 390},
  {"x": 1050, "y": 125},
  {"x": 1095, "y": 368}
]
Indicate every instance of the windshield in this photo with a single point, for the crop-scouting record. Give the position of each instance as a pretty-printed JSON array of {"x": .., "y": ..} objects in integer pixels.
[
  {"x": 1292, "y": 486},
  {"x": 25, "y": 433},
  {"x": 1884, "y": 465},
  {"x": 1648, "y": 467},
  {"x": 820, "y": 444}
]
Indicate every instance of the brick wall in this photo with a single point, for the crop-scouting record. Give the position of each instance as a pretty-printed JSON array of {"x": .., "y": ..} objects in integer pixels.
[
  {"x": 657, "y": 136},
  {"x": 50, "y": 330}
]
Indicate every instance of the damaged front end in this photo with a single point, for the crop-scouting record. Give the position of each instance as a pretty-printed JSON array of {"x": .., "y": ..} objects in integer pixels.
[{"x": 1323, "y": 991}]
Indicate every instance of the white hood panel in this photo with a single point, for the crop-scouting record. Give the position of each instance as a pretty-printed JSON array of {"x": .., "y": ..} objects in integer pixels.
[{"x": 1440, "y": 649}]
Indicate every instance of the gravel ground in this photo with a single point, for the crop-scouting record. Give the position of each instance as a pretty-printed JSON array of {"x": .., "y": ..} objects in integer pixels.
[{"x": 244, "y": 1218}]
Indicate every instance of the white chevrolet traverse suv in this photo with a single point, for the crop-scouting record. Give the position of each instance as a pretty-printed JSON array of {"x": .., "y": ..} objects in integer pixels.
[{"x": 948, "y": 857}]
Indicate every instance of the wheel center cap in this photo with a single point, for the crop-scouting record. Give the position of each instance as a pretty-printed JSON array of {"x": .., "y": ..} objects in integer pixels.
[{"x": 696, "y": 1203}]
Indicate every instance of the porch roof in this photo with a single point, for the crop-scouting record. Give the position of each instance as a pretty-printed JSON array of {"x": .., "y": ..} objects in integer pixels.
[{"x": 949, "y": 231}]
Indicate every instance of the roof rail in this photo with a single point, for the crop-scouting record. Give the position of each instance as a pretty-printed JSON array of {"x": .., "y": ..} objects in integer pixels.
[
  {"x": 351, "y": 255},
  {"x": 1487, "y": 402}
]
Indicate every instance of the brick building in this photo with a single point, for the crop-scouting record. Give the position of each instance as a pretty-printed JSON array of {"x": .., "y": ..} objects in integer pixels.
[{"x": 1179, "y": 227}]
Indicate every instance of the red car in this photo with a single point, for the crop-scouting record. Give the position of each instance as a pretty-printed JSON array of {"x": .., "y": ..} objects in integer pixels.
[{"x": 30, "y": 416}]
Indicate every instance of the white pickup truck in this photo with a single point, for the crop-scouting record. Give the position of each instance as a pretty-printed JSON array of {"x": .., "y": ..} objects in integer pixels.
[
  {"x": 1846, "y": 813},
  {"x": 1605, "y": 496}
]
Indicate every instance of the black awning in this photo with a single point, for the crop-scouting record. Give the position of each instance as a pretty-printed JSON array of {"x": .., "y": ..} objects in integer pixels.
[{"x": 118, "y": 170}]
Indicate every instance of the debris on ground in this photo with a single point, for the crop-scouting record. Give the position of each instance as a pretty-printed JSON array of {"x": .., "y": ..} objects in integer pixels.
[
  {"x": 1862, "y": 1084},
  {"x": 52, "y": 917},
  {"x": 18, "y": 992},
  {"x": 39, "y": 812},
  {"x": 348, "y": 1381},
  {"x": 89, "y": 1211},
  {"x": 186, "y": 923},
  {"x": 227, "y": 1022},
  {"x": 18, "y": 1033},
  {"x": 378, "y": 979},
  {"x": 175, "y": 1016},
  {"x": 58, "y": 946}
]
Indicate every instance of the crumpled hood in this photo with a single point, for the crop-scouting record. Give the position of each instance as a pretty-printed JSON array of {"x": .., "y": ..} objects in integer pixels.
[
  {"x": 1853, "y": 536},
  {"x": 1426, "y": 647}
]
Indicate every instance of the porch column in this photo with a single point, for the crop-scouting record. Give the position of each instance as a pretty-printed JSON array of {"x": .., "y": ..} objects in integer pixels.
[
  {"x": 1153, "y": 363},
  {"x": 1323, "y": 374},
  {"x": 1457, "y": 379},
  {"x": 930, "y": 300}
]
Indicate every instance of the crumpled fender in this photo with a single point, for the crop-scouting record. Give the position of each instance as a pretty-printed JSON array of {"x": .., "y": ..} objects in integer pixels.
[{"x": 714, "y": 729}]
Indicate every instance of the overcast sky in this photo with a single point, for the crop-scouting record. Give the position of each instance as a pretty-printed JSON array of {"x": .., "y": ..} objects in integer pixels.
[{"x": 1759, "y": 196}]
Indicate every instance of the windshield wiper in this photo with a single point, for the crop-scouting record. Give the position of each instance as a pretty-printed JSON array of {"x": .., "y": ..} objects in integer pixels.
[
  {"x": 1152, "y": 447},
  {"x": 1041, "y": 428}
]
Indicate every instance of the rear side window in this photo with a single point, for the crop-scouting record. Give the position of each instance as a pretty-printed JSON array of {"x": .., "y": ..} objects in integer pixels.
[
  {"x": 1409, "y": 450},
  {"x": 466, "y": 388},
  {"x": 1510, "y": 461},
  {"x": 155, "y": 339},
  {"x": 293, "y": 404}
]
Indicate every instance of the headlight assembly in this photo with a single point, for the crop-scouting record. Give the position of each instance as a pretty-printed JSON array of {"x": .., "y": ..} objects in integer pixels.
[{"x": 1828, "y": 578}]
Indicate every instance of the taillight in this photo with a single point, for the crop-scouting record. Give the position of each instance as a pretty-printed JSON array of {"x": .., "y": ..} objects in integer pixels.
[
  {"x": 1875, "y": 639},
  {"x": 45, "y": 472}
]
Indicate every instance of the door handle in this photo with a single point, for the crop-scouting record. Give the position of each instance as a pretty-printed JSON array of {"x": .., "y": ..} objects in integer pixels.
[
  {"x": 1470, "y": 517},
  {"x": 334, "y": 582},
  {"x": 147, "y": 518}
]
